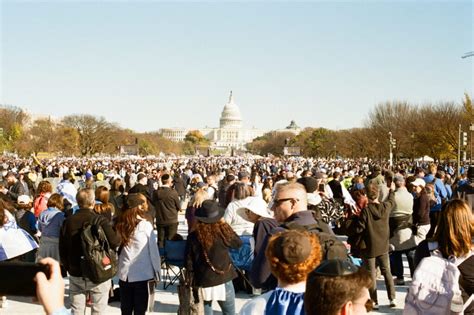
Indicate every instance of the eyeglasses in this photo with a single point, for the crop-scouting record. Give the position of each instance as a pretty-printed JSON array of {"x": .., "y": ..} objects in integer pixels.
[{"x": 278, "y": 202}]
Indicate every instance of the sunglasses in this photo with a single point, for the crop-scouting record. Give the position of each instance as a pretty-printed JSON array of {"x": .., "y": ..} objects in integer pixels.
[{"x": 278, "y": 202}]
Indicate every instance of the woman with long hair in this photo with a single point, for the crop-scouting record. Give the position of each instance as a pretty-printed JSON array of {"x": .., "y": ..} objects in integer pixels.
[
  {"x": 102, "y": 204},
  {"x": 139, "y": 259},
  {"x": 208, "y": 259},
  {"x": 453, "y": 239}
]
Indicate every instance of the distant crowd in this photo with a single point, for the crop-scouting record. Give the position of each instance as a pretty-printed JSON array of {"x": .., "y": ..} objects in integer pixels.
[{"x": 320, "y": 231}]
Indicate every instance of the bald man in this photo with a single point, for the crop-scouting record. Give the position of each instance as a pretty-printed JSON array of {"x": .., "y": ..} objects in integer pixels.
[{"x": 290, "y": 206}]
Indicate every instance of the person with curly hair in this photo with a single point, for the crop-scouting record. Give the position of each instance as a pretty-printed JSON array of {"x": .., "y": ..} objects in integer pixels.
[
  {"x": 208, "y": 260},
  {"x": 292, "y": 255}
]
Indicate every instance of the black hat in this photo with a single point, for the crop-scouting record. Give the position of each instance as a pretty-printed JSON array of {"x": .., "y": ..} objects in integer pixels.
[
  {"x": 134, "y": 200},
  {"x": 309, "y": 183},
  {"x": 209, "y": 212},
  {"x": 335, "y": 268}
]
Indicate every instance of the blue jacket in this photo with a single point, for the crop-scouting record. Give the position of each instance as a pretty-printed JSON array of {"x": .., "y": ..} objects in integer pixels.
[
  {"x": 440, "y": 191},
  {"x": 50, "y": 222}
]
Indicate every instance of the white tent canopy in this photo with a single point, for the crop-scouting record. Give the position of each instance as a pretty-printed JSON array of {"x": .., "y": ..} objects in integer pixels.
[{"x": 425, "y": 158}]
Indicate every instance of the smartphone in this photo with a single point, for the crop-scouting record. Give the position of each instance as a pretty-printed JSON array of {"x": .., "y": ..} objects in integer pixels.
[
  {"x": 17, "y": 278},
  {"x": 321, "y": 187}
]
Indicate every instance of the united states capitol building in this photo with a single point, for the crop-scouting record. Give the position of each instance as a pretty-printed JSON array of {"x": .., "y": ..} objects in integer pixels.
[{"x": 230, "y": 134}]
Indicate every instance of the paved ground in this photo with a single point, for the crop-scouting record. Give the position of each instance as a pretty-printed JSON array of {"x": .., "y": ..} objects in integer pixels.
[{"x": 166, "y": 301}]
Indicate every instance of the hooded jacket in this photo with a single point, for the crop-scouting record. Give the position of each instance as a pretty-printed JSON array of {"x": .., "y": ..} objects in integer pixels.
[
  {"x": 374, "y": 227},
  {"x": 50, "y": 222}
]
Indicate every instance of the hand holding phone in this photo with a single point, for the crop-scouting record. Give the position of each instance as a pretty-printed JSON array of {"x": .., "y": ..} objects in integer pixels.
[
  {"x": 50, "y": 290},
  {"x": 17, "y": 278}
]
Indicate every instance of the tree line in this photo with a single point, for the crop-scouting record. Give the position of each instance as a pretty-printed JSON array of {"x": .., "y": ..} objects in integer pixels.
[
  {"x": 427, "y": 129},
  {"x": 417, "y": 130}
]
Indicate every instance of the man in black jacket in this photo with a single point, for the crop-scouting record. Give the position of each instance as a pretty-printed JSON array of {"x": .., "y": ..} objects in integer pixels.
[
  {"x": 167, "y": 206},
  {"x": 70, "y": 251},
  {"x": 15, "y": 187},
  {"x": 290, "y": 206}
]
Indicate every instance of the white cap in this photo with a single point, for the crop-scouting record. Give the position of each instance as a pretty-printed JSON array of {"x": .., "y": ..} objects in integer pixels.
[{"x": 418, "y": 182}]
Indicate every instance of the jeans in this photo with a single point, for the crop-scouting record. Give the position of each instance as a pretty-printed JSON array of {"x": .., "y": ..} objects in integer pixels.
[
  {"x": 133, "y": 297},
  {"x": 166, "y": 232},
  {"x": 227, "y": 306},
  {"x": 396, "y": 263},
  {"x": 383, "y": 262},
  {"x": 78, "y": 287}
]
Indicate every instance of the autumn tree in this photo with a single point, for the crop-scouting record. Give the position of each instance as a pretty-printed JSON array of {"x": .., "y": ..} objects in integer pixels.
[{"x": 95, "y": 133}]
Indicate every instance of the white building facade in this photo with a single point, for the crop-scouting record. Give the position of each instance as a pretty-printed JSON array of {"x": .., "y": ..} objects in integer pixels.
[{"x": 230, "y": 133}]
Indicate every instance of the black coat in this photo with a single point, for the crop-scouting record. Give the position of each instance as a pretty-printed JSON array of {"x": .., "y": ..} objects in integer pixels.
[
  {"x": 167, "y": 205},
  {"x": 373, "y": 224},
  {"x": 70, "y": 248},
  {"x": 219, "y": 257}
]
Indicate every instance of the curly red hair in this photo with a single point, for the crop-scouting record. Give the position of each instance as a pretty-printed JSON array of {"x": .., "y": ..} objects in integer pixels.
[{"x": 293, "y": 273}]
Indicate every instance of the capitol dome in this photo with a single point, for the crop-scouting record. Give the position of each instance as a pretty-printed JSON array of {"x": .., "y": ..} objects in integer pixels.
[{"x": 230, "y": 117}]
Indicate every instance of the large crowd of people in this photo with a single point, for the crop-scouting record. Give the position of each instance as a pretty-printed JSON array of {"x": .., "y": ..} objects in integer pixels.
[{"x": 321, "y": 230}]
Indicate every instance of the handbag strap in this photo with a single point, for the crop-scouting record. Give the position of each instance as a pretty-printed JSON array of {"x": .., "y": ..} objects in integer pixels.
[{"x": 208, "y": 261}]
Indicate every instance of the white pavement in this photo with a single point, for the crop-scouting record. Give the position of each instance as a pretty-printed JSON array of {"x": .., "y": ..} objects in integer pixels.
[{"x": 166, "y": 301}]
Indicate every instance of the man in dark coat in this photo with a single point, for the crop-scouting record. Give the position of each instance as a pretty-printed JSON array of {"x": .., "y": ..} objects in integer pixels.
[
  {"x": 289, "y": 206},
  {"x": 70, "y": 252},
  {"x": 167, "y": 205},
  {"x": 15, "y": 187},
  {"x": 373, "y": 225}
]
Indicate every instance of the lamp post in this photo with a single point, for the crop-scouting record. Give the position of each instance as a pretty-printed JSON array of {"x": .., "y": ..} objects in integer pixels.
[{"x": 392, "y": 145}]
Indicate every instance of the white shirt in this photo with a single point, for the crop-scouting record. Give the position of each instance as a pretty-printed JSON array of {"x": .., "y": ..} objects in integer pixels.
[
  {"x": 140, "y": 259},
  {"x": 236, "y": 222}
]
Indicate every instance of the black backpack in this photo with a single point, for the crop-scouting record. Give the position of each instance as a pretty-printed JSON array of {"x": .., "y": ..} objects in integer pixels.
[
  {"x": 331, "y": 247},
  {"x": 99, "y": 262}
]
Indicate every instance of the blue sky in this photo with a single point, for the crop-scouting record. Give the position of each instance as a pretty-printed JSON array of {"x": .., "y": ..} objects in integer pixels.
[{"x": 151, "y": 64}]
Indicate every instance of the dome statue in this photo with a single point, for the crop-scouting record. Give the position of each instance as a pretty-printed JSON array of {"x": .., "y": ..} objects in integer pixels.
[{"x": 230, "y": 117}]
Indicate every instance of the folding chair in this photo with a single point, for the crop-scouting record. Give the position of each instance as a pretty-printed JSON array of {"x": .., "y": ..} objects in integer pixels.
[{"x": 174, "y": 256}]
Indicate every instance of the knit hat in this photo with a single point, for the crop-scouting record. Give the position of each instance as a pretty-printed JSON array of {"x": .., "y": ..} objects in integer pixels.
[{"x": 292, "y": 247}]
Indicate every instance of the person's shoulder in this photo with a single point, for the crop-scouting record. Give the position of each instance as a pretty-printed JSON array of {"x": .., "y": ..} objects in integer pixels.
[
  {"x": 256, "y": 305},
  {"x": 144, "y": 225}
]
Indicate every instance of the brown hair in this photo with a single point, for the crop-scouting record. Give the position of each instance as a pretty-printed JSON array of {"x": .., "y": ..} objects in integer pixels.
[
  {"x": 208, "y": 233},
  {"x": 56, "y": 201},
  {"x": 198, "y": 198},
  {"x": 328, "y": 294},
  {"x": 5, "y": 205},
  {"x": 455, "y": 229},
  {"x": 127, "y": 221},
  {"x": 44, "y": 187},
  {"x": 102, "y": 194},
  {"x": 293, "y": 273}
]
